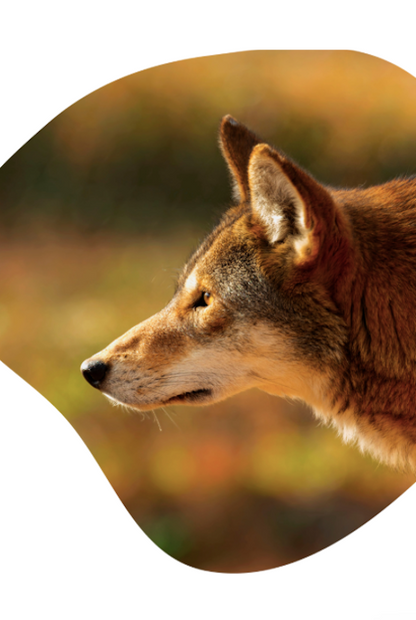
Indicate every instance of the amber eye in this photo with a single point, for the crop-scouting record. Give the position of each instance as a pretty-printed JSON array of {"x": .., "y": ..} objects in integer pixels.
[
  {"x": 208, "y": 298},
  {"x": 204, "y": 300}
]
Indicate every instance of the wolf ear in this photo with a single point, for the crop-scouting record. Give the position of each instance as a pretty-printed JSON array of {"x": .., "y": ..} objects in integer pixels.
[
  {"x": 289, "y": 204},
  {"x": 237, "y": 143}
]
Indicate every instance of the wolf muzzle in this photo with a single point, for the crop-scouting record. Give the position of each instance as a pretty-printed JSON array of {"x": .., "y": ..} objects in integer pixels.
[{"x": 94, "y": 371}]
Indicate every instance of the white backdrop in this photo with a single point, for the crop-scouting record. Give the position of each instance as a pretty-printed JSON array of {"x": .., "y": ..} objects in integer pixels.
[{"x": 68, "y": 547}]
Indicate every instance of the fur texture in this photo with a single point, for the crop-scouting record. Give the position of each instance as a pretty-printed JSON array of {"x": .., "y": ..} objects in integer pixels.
[{"x": 303, "y": 291}]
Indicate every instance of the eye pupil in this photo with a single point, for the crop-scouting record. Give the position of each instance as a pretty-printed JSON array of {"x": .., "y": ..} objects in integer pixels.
[{"x": 204, "y": 300}]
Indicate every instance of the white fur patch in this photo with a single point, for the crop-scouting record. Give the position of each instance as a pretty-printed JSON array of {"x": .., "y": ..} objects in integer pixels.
[{"x": 191, "y": 282}]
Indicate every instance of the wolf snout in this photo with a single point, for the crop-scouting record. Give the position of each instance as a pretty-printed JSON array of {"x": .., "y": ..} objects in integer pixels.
[{"x": 94, "y": 371}]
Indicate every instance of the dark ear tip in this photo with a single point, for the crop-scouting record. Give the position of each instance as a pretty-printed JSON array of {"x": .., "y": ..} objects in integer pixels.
[{"x": 230, "y": 120}]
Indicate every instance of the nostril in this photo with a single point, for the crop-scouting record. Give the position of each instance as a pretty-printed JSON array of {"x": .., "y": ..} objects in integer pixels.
[{"x": 94, "y": 371}]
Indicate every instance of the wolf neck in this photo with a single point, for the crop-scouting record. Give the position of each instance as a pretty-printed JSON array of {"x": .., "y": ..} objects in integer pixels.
[
  {"x": 379, "y": 307},
  {"x": 375, "y": 392}
]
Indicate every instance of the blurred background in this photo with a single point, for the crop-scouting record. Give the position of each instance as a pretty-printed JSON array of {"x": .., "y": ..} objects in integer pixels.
[{"x": 98, "y": 213}]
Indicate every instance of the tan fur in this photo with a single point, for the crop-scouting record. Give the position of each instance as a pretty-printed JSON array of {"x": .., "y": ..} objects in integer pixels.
[{"x": 311, "y": 294}]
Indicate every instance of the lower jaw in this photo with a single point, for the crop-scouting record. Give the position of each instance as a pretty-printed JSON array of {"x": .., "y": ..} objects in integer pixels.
[
  {"x": 187, "y": 398},
  {"x": 190, "y": 398}
]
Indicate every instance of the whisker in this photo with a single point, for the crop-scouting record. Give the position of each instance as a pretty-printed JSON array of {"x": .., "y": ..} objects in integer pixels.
[
  {"x": 156, "y": 420},
  {"x": 170, "y": 418},
  {"x": 115, "y": 403}
]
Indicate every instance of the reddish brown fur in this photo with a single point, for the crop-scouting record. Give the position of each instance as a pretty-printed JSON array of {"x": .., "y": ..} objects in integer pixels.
[
  {"x": 377, "y": 302},
  {"x": 313, "y": 296}
]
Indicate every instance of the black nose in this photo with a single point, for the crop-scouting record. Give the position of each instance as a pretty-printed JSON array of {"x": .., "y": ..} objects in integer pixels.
[{"x": 94, "y": 371}]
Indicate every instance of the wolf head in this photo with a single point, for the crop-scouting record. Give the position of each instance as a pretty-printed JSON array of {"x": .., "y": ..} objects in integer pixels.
[{"x": 257, "y": 305}]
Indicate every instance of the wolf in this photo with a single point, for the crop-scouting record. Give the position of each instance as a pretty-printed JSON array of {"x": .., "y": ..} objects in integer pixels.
[{"x": 302, "y": 290}]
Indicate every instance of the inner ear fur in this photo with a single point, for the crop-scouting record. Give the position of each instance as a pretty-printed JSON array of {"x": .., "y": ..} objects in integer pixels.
[
  {"x": 289, "y": 204},
  {"x": 237, "y": 143}
]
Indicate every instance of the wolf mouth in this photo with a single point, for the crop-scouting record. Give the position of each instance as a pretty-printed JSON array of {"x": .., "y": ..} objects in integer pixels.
[{"x": 192, "y": 397}]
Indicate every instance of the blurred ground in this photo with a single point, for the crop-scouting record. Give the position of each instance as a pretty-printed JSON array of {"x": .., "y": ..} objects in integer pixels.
[{"x": 99, "y": 212}]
